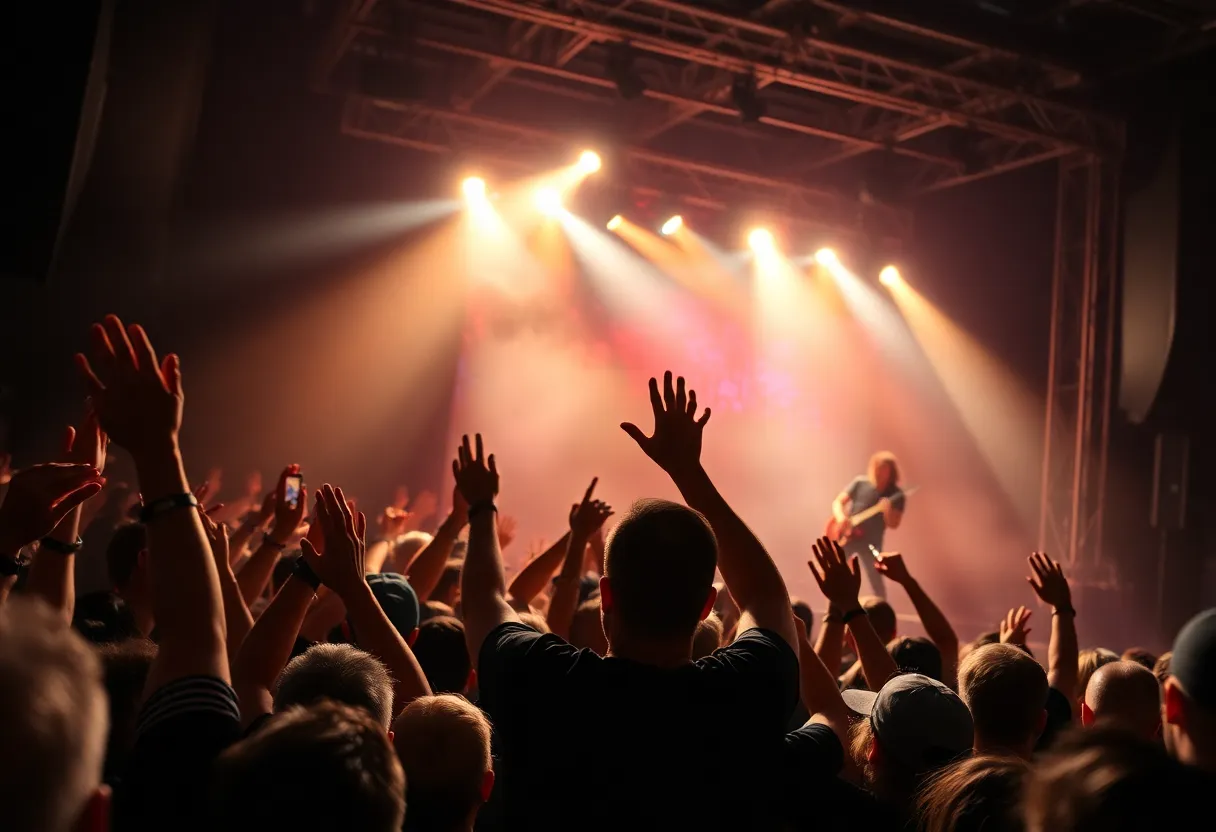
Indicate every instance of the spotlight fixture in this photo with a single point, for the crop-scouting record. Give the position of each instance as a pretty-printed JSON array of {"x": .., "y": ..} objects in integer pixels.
[
  {"x": 826, "y": 257},
  {"x": 889, "y": 276},
  {"x": 474, "y": 187},
  {"x": 619, "y": 70},
  {"x": 589, "y": 162},
  {"x": 549, "y": 201},
  {"x": 746, "y": 98},
  {"x": 615, "y": 222},
  {"x": 760, "y": 239},
  {"x": 673, "y": 224}
]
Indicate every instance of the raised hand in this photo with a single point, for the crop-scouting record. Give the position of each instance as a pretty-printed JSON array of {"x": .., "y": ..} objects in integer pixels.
[
  {"x": 138, "y": 399},
  {"x": 675, "y": 445},
  {"x": 587, "y": 517},
  {"x": 390, "y": 524},
  {"x": 1048, "y": 581},
  {"x": 39, "y": 497},
  {"x": 476, "y": 476},
  {"x": 1013, "y": 627},
  {"x": 286, "y": 517},
  {"x": 87, "y": 444},
  {"x": 507, "y": 526},
  {"x": 891, "y": 565},
  {"x": 217, "y": 536},
  {"x": 839, "y": 579},
  {"x": 342, "y": 567}
]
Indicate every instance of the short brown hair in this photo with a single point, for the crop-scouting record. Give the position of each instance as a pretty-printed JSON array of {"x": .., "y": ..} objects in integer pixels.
[
  {"x": 339, "y": 672},
  {"x": 1162, "y": 668},
  {"x": 1089, "y": 660},
  {"x": 321, "y": 767},
  {"x": 979, "y": 794},
  {"x": 1006, "y": 691},
  {"x": 443, "y": 743},
  {"x": 881, "y": 615},
  {"x": 443, "y": 654},
  {"x": 660, "y": 561},
  {"x": 53, "y": 731},
  {"x": 1105, "y": 779}
]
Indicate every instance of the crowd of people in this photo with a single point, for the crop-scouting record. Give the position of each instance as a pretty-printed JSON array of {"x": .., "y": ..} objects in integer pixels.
[{"x": 282, "y": 663}]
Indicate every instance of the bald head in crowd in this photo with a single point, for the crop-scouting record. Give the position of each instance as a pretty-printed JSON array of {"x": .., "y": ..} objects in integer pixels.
[{"x": 1125, "y": 694}]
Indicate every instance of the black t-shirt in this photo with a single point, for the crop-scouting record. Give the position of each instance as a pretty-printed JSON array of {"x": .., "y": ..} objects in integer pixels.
[
  {"x": 863, "y": 495},
  {"x": 1059, "y": 715},
  {"x": 593, "y": 742},
  {"x": 181, "y": 729}
]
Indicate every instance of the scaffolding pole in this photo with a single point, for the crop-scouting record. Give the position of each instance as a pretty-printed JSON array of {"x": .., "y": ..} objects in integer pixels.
[{"x": 1080, "y": 364}]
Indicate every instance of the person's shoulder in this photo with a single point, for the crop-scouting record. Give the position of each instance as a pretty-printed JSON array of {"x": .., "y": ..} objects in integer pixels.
[
  {"x": 751, "y": 648},
  {"x": 192, "y": 698},
  {"x": 515, "y": 643}
]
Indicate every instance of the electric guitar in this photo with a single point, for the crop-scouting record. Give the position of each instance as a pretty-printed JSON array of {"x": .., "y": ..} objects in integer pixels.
[{"x": 835, "y": 530}]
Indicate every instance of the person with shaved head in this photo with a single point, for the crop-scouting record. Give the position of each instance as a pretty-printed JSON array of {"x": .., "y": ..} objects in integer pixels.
[{"x": 1124, "y": 694}]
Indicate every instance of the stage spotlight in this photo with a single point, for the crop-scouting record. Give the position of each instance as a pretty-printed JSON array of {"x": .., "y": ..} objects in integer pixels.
[
  {"x": 889, "y": 276},
  {"x": 589, "y": 162},
  {"x": 760, "y": 239},
  {"x": 474, "y": 187},
  {"x": 826, "y": 257},
  {"x": 615, "y": 222},
  {"x": 673, "y": 224},
  {"x": 549, "y": 201}
]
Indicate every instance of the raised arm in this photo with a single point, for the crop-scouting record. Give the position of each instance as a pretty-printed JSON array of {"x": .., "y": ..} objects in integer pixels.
[
  {"x": 237, "y": 618},
  {"x": 840, "y": 581},
  {"x": 343, "y": 568},
  {"x": 425, "y": 569},
  {"x": 36, "y": 502},
  {"x": 937, "y": 627},
  {"x": 586, "y": 518},
  {"x": 139, "y": 404},
  {"x": 267, "y": 648},
  {"x": 536, "y": 574},
  {"x": 52, "y": 575},
  {"x": 255, "y": 574},
  {"x": 746, "y": 567},
  {"x": 1049, "y": 583},
  {"x": 483, "y": 586}
]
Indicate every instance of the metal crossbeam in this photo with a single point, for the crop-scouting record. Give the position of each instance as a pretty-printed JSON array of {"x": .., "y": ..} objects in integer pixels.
[
  {"x": 695, "y": 35},
  {"x": 524, "y": 148}
]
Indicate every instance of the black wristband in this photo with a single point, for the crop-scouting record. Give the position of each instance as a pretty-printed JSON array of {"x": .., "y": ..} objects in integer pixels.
[
  {"x": 13, "y": 566},
  {"x": 274, "y": 544},
  {"x": 482, "y": 506},
  {"x": 59, "y": 546},
  {"x": 1063, "y": 611},
  {"x": 156, "y": 508},
  {"x": 305, "y": 573},
  {"x": 857, "y": 613}
]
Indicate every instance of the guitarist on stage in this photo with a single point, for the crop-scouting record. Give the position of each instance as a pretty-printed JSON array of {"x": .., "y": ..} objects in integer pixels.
[{"x": 880, "y": 486}]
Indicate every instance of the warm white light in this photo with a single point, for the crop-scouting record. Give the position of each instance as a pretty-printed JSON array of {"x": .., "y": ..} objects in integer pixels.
[
  {"x": 615, "y": 222},
  {"x": 760, "y": 239},
  {"x": 589, "y": 161},
  {"x": 672, "y": 225},
  {"x": 826, "y": 257},
  {"x": 473, "y": 188},
  {"x": 549, "y": 201},
  {"x": 889, "y": 276}
]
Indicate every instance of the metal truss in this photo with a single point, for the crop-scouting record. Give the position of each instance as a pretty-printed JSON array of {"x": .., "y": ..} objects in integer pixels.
[
  {"x": 514, "y": 147},
  {"x": 1079, "y": 387}
]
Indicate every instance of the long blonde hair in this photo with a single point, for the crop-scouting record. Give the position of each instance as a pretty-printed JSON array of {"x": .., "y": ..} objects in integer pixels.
[{"x": 877, "y": 461}]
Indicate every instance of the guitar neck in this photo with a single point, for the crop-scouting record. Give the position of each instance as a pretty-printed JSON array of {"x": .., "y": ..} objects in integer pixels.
[{"x": 862, "y": 516}]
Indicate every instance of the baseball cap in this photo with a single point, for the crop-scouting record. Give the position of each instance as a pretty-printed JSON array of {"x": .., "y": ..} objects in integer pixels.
[
  {"x": 917, "y": 655},
  {"x": 921, "y": 723},
  {"x": 1193, "y": 662},
  {"x": 398, "y": 600}
]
